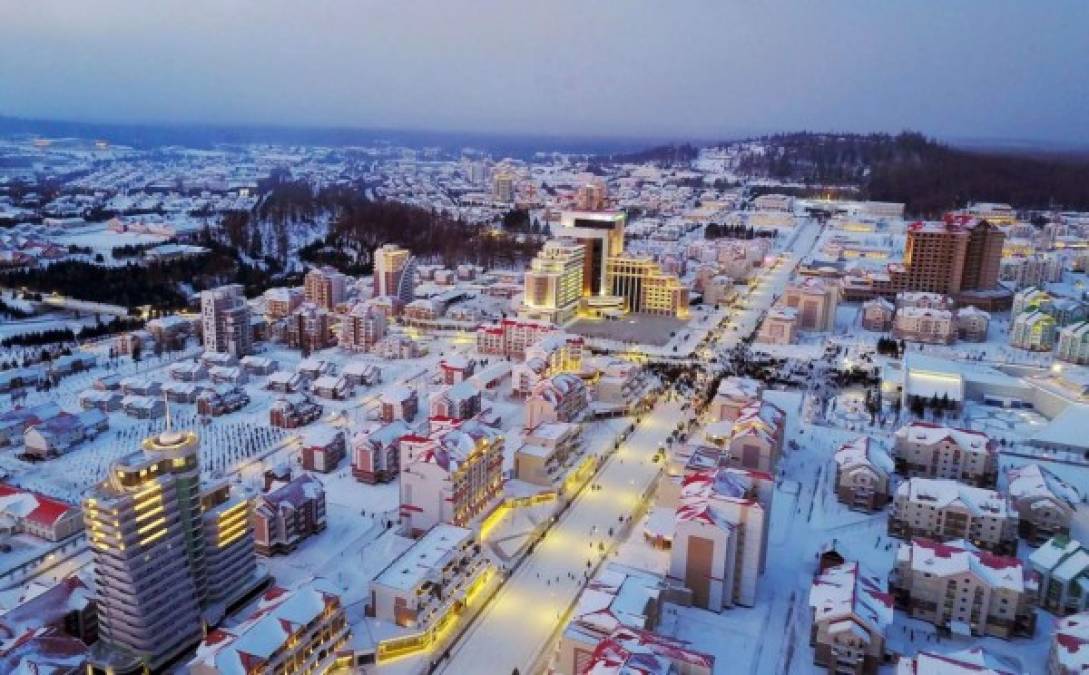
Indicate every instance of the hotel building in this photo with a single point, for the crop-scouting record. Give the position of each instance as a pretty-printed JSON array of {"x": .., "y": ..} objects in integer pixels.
[{"x": 168, "y": 557}]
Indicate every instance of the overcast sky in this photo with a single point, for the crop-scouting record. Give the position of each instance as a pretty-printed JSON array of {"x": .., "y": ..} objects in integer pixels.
[{"x": 952, "y": 68}]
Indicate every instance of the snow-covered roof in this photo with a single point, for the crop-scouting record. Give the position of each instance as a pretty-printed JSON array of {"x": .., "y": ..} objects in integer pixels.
[
  {"x": 1033, "y": 481},
  {"x": 703, "y": 491},
  {"x": 959, "y": 557},
  {"x": 943, "y": 492},
  {"x": 928, "y": 433},
  {"x": 281, "y": 615},
  {"x": 971, "y": 661},
  {"x": 427, "y": 555},
  {"x": 32, "y": 506},
  {"x": 1071, "y": 648},
  {"x": 862, "y": 452},
  {"x": 636, "y": 652},
  {"x": 294, "y": 493},
  {"x": 618, "y": 596},
  {"x": 848, "y": 592}
]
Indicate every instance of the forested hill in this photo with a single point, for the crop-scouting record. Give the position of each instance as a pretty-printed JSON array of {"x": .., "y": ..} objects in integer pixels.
[{"x": 928, "y": 176}]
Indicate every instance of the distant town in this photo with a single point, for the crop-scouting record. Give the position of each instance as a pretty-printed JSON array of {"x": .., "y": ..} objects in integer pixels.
[{"x": 761, "y": 406}]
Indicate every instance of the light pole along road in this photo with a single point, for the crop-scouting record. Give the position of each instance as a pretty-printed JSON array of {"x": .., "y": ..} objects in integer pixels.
[{"x": 525, "y": 614}]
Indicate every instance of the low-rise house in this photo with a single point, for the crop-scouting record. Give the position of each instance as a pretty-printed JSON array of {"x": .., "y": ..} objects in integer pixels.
[
  {"x": 946, "y": 510},
  {"x": 376, "y": 451},
  {"x": 259, "y": 365},
  {"x": 15, "y": 422},
  {"x": 292, "y": 411},
  {"x": 67, "y": 364},
  {"x": 62, "y": 433},
  {"x": 233, "y": 375},
  {"x": 221, "y": 400},
  {"x": 361, "y": 373},
  {"x": 322, "y": 449},
  {"x": 139, "y": 386},
  {"x": 1044, "y": 502},
  {"x": 288, "y": 514},
  {"x": 851, "y": 613},
  {"x": 313, "y": 367},
  {"x": 285, "y": 382},
  {"x": 863, "y": 474},
  {"x": 36, "y": 514},
  {"x": 968, "y": 591},
  {"x": 188, "y": 371},
  {"x": 292, "y": 631},
  {"x": 106, "y": 401},
  {"x": 223, "y": 359},
  {"x": 182, "y": 392},
  {"x": 932, "y": 450},
  {"x": 460, "y": 401},
  {"x": 17, "y": 378},
  {"x": 143, "y": 407},
  {"x": 335, "y": 387},
  {"x": 398, "y": 403}
]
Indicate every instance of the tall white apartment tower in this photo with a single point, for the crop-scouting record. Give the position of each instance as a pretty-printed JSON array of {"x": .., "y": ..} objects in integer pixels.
[
  {"x": 225, "y": 319},
  {"x": 394, "y": 272}
]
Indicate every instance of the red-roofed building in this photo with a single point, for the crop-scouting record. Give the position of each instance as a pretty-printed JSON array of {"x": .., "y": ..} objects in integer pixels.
[
  {"x": 968, "y": 591},
  {"x": 39, "y": 515}
]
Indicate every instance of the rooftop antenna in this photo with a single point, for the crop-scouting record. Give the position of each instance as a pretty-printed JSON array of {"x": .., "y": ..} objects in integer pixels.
[{"x": 169, "y": 421}]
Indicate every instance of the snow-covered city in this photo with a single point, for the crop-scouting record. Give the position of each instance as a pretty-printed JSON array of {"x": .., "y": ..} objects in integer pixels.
[{"x": 280, "y": 401}]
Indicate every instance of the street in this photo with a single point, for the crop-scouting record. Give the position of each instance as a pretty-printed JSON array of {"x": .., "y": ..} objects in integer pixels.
[{"x": 532, "y": 605}]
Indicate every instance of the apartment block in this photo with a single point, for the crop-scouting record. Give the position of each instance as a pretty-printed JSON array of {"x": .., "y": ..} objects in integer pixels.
[
  {"x": 863, "y": 473},
  {"x": 293, "y": 632},
  {"x": 452, "y": 475},
  {"x": 945, "y": 510},
  {"x": 287, "y": 514},
  {"x": 560, "y": 398},
  {"x": 619, "y": 596},
  {"x": 225, "y": 321},
  {"x": 719, "y": 541},
  {"x": 815, "y": 300},
  {"x": 325, "y": 287},
  {"x": 361, "y": 328},
  {"x": 967, "y": 591},
  {"x": 1062, "y": 566},
  {"x": 1069, "y": 653},
  {"x": 1044, "y": 502},
  {"x": 376, "y": 451},
  {"x": 427, "y": 584},
  {"x": 932, "y": 450},
  {"x": 851, "y": 613}
]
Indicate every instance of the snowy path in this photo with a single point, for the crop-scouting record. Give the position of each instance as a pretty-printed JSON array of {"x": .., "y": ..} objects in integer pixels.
[{"x": 523, "y": 618}]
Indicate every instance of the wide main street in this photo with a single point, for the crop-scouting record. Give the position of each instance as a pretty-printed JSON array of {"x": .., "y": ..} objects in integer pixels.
[
  {"x": 526, "y": 612},
  {"x": 525, "y": 615}
]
